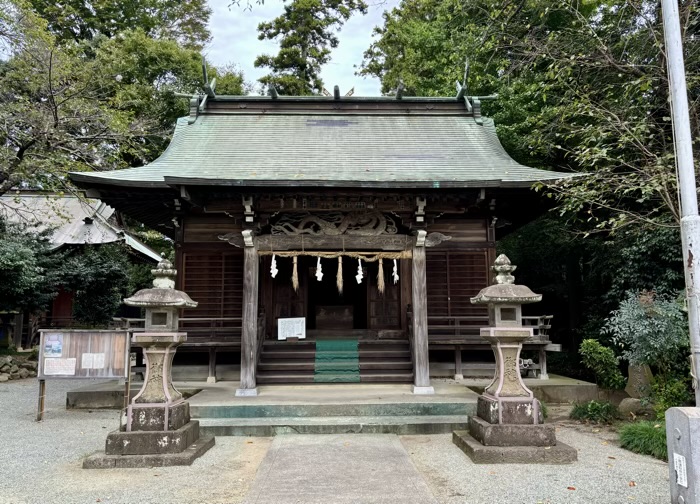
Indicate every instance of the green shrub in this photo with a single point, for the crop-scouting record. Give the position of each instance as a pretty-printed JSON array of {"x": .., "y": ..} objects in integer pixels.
[
  {"x": 653, "y": 330},
  {"x": 603, "y": 362},
  {"x": 669, "y": 393},
  {"x": 647, "y": 438},
  {"x": 601, "y": 412}
]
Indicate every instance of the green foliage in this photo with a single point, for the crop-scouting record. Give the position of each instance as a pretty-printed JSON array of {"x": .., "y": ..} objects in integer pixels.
[
  {"x": 670, "y": 393},
  {"x": 600, "y": 412},
  {"x": 603, "y": 362},
  {"x": 582, "y": 86},
  {"x": 647, "y": 438},
  {"x": 98, "y": 103},
  {"x": 99, "y": 279},
  {"x": 28, "y": 273},
  {"x": 652, "y": 330},
  {"x": 306, "y": 35},
  {"x": 75, "y": 20}
]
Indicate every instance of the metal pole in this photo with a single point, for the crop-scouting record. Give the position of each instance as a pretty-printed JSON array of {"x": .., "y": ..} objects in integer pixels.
[
  {"x": 683, "y": 424},
  {"x": 690, "y": 221}
]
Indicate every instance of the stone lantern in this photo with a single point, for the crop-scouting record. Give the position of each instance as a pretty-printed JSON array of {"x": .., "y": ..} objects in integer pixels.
[
  {"x": 509, "y": 425},
  {"x": 158, "y": 430}
]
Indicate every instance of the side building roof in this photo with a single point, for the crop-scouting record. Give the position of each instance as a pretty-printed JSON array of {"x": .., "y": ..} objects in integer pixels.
[
  {"x": 71, "y": 221},
  {"x": 321, "y": 141}
]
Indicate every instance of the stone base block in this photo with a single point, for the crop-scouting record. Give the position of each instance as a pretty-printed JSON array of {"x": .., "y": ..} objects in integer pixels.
[
  {"x": 195, "y": 450},
  {"x": 558, "y": 454},
  {"x": 152, "y": 442},
  {"x": 423, "y": 390},
  {"x": 152, "y": 418},
  {"x": 247, "y": 392},
  {"x": 511, "y": 435},
  {"x": 518, "y": 411}
]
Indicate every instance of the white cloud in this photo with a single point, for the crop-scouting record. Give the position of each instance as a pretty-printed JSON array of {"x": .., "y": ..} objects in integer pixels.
[{"x": 235, "y": 40}]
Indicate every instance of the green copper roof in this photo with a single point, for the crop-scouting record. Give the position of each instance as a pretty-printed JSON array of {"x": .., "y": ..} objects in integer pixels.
[{"x": 343, "y": 148}]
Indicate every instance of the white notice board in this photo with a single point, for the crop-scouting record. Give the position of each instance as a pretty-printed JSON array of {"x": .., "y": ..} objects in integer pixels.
[{"x": 291, "y": 328}]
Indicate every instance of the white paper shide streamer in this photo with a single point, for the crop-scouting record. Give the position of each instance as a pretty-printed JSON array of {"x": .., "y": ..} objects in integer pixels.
[
  {"x": 359, "y": 275},
  {"x": 319, "y": 270},
  {"x": 395, "y": 273},
  {"x": 273, "y": 267}
]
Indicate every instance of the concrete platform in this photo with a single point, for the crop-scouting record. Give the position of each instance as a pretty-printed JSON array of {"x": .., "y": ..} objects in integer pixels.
[
  {"x": 557, "y": 389},
  {"x": 332, "y": 409}
]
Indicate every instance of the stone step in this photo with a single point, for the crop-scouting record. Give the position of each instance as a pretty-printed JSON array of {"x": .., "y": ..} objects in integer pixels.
[
  {"x": 402, "y": 425},
  {"x": 338, "y": 409},
  {"x": 283, "y": 366}
]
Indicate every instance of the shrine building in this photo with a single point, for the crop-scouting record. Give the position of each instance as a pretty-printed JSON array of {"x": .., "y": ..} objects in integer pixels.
[{"x": 329, "y": 238}]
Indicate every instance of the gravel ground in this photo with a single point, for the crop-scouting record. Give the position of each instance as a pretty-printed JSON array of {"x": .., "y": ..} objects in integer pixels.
[
  {"x": 604, "y": 473},
  {"x": 41, "y": 463}
]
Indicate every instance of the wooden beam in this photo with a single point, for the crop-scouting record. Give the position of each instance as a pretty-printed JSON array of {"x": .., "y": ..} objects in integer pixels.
[
  {"x": 249, "y": 336},
  {"x": 421, "y": 366}
]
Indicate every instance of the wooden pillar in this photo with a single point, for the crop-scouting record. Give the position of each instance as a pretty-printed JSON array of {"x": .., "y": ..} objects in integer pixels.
[
  {"x": 212, "y": 365},
  {"x": 249, "y": 334},
  {"x": 543, "y": 363},
  {"x": 458, "y": 363},
  {"x": 421, "y": 367}
]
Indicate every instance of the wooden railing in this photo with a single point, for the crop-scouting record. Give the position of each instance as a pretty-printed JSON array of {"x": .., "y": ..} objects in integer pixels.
[
  {"x": 466, "y": 329},
  {"x": 456, "y": 328},
  {"x": 201, "y": 331}
]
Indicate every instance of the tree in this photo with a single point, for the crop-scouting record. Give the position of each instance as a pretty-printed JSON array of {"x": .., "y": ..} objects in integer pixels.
[
  {"x": 76, "y": 20},
  {"x": 99, "y": 278},
  {"x": 582, "y": 86},
  {"x": 28, "y": 273},
  {"x": 97, "y": 105},
  {"x": 306, "y": 33}
]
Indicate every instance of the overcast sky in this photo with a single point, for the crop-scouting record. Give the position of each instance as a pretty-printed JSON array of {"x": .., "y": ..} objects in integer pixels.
[{"x": 235, "y": 40}]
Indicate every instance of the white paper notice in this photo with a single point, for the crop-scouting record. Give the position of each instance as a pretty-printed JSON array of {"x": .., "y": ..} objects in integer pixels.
[
  {"x": 86, "y": 361},
  {"x": 98, "y": 361},
  {"x": 681, "y": 470},
  {"x": 54, "y": 367},
  {"x": 291, "y": 328}
]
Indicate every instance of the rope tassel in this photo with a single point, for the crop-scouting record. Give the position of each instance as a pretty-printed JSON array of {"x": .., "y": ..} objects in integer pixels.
[
  {"x": 339, "y": 276},
  {"x": 380, "y": 277},
  {"x": 295, "y": 276}
]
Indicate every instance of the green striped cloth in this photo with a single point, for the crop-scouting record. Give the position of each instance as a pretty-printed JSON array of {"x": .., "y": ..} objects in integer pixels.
[{"x": 337, "y": 361}]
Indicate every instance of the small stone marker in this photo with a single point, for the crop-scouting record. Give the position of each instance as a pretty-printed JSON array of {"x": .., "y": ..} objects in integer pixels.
[
  {"x": 158, "y": 430},
  {"x": 509, "y": 425}
]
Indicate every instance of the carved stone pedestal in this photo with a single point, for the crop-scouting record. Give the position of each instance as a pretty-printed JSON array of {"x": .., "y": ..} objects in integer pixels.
[{"x": 158, "y": 430}]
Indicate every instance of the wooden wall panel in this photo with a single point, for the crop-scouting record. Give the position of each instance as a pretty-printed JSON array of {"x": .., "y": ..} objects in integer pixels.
[
  {"x": 214, "y": 278},
  {"x": 208, "y": 228},
  {"x": 454, "y": 276},
  {"x": 463, "y": 232}
]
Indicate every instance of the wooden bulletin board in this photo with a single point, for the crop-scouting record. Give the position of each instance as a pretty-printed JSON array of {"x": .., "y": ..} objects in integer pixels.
[{"x": 83, "y": 354}]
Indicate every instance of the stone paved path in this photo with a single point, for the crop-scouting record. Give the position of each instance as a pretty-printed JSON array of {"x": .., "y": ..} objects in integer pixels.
[{"x": 349, "y": 468}]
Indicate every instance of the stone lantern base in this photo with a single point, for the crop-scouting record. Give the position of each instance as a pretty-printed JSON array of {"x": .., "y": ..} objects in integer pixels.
[
  {"x": 158, "y": 430},
  {"x": 508, "y": 427}
]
